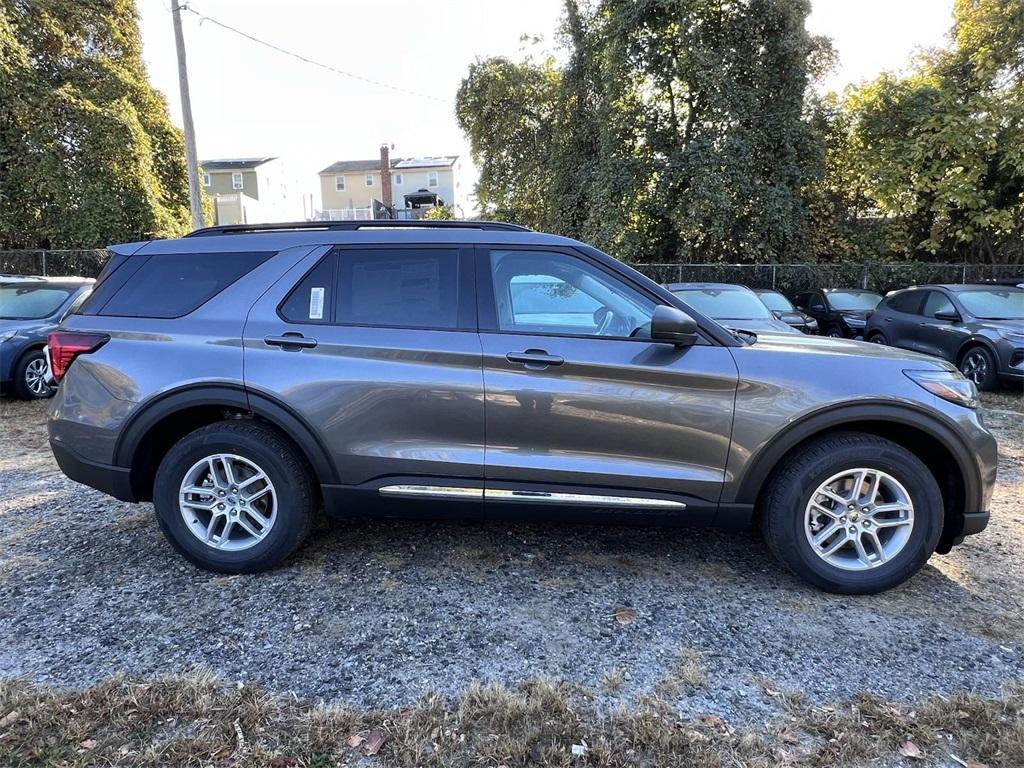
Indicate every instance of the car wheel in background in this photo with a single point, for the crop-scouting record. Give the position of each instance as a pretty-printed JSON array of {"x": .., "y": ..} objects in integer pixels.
[
  {"x": 835, "y": 332},
  {"x": 31, "y": 376},
  {"x": 979, "y": 365},
  {"x": 877, "y": 337},
  {"x": 234, "y": 497},
  {"x": 853, "y": 513}
]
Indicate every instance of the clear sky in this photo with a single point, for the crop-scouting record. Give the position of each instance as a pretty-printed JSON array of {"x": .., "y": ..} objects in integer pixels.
[{"x": 248, "y": 100}]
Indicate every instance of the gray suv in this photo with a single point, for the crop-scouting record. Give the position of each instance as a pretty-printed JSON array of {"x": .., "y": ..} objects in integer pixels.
[
  {"x": 242, "y": 376},
  {"x": 980, "y": 328}
]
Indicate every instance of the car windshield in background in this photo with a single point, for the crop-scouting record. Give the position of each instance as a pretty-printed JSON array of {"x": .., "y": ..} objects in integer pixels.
[
  {"x": 853, "y": 300},
  {"x": 725, "y": 304},
  {"x": 994, "y": 305},
  {"x": 775, "y": 301},
  {"x": 30, "y": 302}
]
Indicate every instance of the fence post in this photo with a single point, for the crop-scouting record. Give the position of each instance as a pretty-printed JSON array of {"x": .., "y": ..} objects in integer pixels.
[
  {"x": 963, "y": 275},
  {"x": 864, "y": 279},
  {"x": 773, "y": 277},
  {"x": 43, "y": 254}
]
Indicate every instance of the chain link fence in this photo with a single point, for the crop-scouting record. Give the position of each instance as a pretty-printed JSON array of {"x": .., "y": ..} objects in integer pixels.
[
  {"x": 63, "y": 263},
  {"x": 793, "y": 278}
]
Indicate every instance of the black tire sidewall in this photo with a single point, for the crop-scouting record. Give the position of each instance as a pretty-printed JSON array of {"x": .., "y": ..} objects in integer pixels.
[
  {"x": 835, "y": 331},
  {"x": 21, "y": 368},
  {"x": 796, "y": 551},
  {"x": 991, "y": 381},
  {"x": 877, "y": 337},
  {"x": 292, "y": 512}
]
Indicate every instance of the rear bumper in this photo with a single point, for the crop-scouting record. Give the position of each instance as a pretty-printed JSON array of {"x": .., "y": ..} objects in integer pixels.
[{"x": 113, "y": 481}]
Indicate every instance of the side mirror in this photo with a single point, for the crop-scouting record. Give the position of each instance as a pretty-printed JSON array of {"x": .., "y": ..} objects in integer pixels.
[
  {"x": 674, "y": 326},
  {"x": 949, "y": 315}
]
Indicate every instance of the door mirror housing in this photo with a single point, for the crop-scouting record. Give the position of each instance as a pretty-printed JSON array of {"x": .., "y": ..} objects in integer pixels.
[
  {"x": 673, "y": 326},
  {"x": 949, "y": 315}
]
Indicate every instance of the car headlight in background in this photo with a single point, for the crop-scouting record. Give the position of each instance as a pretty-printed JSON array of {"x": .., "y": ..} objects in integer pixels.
[
  {"x": 1017, "y": 337},
  {"x": 855, "y": 322},
  {"x": 949, "y": 385}
]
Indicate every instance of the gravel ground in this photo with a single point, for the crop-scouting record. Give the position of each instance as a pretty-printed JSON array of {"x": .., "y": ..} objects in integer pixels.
[{"x": 375, "y": 613}]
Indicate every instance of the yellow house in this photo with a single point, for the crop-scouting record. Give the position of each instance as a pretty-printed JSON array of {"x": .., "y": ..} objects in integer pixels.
[{"x": 348, "y": 188}]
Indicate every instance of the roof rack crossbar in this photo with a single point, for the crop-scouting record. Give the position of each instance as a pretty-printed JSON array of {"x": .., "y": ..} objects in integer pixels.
[{"x": 349, "y": 226}]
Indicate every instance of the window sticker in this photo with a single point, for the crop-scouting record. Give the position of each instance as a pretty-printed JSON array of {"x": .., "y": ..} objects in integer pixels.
[{"x": 316, "y": 304}]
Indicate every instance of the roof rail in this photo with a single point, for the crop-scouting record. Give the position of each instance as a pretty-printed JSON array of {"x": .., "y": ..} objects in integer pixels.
[{"x": 349, "y": 226}]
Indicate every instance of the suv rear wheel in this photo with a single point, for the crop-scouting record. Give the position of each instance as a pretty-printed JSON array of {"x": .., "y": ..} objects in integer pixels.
[
  {"x": 234, "y": 497},
  {"x": 31, "y": 376},
  {"x": 853, "y": 513}
]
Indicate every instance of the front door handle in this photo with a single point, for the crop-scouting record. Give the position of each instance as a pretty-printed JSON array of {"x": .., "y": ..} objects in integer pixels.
[
  {"x": 534, "y": 359},
  {"x": 290, "y": 341}
]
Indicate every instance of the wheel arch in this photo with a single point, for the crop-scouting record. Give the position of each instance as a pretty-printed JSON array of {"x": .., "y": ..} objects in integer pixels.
[
  {"x": 158, "y": 424},
  {"x": 976, "y": 341},
  {"x": 924, "y": 434}
]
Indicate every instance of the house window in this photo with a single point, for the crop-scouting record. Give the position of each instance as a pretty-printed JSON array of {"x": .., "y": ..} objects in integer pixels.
[
  {"x": 339, "y": 183},
  {"x": 236, "y": 181},
  {"x": 369, "y": 179},
  {"x": 432, "y": 179},
  {"x": 206, "y": 179},
  {"x": 397, "y": 178}
]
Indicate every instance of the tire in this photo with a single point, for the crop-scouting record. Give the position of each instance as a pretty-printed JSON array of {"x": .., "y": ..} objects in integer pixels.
[
  {"x": 27, "y": 372},
  {"x": 878, "y": 338},
  {"x": 979, "y": 365},
  {"x": 835, "y": 332},
  {"x": 287, "y": 508},
  {"x": 786, "y": 516}
]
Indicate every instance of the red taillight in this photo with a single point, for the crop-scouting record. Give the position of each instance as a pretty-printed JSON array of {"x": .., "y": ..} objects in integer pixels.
[{"x": 65, "y": 346}]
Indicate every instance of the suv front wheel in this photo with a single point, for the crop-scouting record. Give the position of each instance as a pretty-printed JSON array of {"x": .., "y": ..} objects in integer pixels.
[
  {"x": 234, "y": 497},
  {"x": 853, "y": 513}
]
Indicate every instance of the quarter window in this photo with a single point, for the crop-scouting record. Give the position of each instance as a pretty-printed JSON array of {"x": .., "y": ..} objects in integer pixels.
[
  {"x": 555, "y": 293},
  {"x": 404, "y": 288},
  {"x": 312, "y": 299}
]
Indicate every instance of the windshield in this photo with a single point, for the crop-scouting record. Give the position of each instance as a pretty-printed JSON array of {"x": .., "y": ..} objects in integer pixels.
[
  {"x": 725, "y": 304},
  {"x": 853, "y": 300},
  {"x": 30, "y": 302},
  {"x": 994, "y": 305},
  {"x": 775, "y": 301}
]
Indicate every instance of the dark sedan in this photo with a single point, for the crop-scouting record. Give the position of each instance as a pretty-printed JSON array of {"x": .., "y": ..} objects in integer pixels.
[
  {"x": 979, "y": 328},
  {"x": 784, "y": 310},
  {"x": 840, "y": 312},
  {"x": 734, "y": 306},
  {"x": 31, "y": 307}
]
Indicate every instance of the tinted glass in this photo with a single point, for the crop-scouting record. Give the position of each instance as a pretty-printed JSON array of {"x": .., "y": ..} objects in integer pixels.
[
  {"x": 312, "y": 299},
  {"x": 725, "y": 304},
  {"x": 908, "y": 302},
  {"x": 937, "y": 302},
  {"x": 853, "y": 300},
  {"x": 548, "y": 292},
  {"x": 994, "y": 305},
  {"x": 775, "y": 301},
  {"x": 30, "y": 302},
  {"x": 172, "y": 285},
  {"x": 404, "y": 288}
]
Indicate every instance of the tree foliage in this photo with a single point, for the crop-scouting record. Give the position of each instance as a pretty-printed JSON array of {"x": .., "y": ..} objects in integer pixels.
[{"x": 88, "y": 154}]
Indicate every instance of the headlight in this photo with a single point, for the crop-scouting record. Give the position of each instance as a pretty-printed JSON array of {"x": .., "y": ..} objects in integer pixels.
[
  {"x": 855, "y": 322},
  {"x": 949, "y": 385},
  {"x": 1016, "y": 337}
]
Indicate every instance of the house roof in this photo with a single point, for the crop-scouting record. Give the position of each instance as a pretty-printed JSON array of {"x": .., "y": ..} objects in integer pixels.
[
  {"x": 234, "y": 164},
  {"x": 397, "y": 163}
]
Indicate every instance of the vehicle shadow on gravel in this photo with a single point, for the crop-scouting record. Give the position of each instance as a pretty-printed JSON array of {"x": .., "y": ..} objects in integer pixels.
[{"x": 376, "y": 612}]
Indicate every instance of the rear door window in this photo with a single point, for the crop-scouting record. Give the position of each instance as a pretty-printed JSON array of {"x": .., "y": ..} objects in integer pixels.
[
  {"x": 173, "y": 285},
  {"x": 908, "y": 302}
]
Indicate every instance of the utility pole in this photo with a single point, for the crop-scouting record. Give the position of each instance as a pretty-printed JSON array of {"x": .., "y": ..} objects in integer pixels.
[{"x": 195, "y": 203}]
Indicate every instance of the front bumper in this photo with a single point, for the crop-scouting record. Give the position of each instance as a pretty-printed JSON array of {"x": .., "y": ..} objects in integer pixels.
[{"x": 113, "y": 481}]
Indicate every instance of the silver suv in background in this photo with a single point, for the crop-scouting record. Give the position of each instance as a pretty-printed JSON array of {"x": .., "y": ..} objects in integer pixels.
[{"x": 241, "y": 377}]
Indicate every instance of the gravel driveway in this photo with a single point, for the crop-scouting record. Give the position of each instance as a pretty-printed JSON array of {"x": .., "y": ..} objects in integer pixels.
[{"x": 375, "y": 613}]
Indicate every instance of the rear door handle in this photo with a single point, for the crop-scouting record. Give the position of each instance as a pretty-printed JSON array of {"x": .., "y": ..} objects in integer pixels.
[
  {"x": 290, "y": 341},
  {"x": 534, "y": 359}
]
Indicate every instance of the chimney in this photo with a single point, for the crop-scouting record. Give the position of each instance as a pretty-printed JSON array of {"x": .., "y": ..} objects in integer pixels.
[{"x": 385, "y": 176}]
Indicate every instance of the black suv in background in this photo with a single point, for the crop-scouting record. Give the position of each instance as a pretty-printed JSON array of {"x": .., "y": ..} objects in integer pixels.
[
  {"x": 841, "y": 312},
  {"x": 979, "y": 328},
  {"x": 784, "y": 310}
]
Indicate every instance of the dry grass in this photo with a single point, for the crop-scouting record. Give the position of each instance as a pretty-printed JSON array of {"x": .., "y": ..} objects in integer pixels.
[
  {"x": 685, "y": 674},
  {"x": 196, "y": 721}
]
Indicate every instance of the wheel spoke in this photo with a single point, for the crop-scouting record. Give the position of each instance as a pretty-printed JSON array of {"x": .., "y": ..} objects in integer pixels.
[
  {"x": 821, "y": 509},
  {"x": 838, "y": 543},
  {"x": 830, "y": 494},
  {"x": 212, "y": 526},
  {"x": 255, "y": 495},
  {"x": 229, "y": 472},
  {"x": 876, "y": 544},
  {"x": 873, "y": 486},
  {"x": 262, "y": 520},
  {"x": 897, "y": 523},
  {"x": 225, "y": 535},
  {"x": 862, "y": 553},
  {"x": 247, "y": 526},
  {"x": 823, "y": 536}
]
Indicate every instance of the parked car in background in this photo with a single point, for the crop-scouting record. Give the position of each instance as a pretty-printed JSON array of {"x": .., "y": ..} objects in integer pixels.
[
  {"x": 784, "y": 310},
  {"x": 734, "y": 306},
  {"x": 31, "y": 307},
  {"x": 840, "y": 312},
  {"x": 978, "y": 328},
  {"x": 241, "y": 376}
]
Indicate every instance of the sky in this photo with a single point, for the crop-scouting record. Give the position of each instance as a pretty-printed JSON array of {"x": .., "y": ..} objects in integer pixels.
[{"x": 248, "y": 100}]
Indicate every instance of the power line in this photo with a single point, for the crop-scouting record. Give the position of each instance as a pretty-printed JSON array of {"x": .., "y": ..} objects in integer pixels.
[{"x": 307, "y": 60}]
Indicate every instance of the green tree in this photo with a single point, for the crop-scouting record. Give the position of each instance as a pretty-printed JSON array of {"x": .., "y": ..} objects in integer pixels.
[{"x": 88, "y": 154}]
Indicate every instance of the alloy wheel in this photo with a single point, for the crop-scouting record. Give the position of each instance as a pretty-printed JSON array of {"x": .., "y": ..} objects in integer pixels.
[
  {"x": 35, "y": 378},
  {"x": 228, "y": 502},
  {"x": 859, "y": 519},
  {"x": 975, "y": 366}
]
